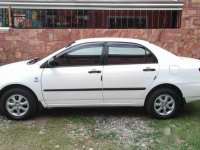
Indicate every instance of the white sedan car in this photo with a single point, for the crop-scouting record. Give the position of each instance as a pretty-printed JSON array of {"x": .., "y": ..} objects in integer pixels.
[{"x": 101, "y": 72}]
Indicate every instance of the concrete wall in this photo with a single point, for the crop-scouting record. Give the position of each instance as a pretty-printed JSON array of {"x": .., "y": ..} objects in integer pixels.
[{"x": 22, "y": 44}]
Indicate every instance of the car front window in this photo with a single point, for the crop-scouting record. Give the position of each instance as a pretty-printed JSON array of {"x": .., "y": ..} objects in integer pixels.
[{"x": 87, "y": 55}]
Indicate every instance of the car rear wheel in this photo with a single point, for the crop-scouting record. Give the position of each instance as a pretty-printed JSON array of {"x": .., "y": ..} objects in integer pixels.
[
  {"x": 18, "y": 104},
  {"x": 163, "y": 103}
]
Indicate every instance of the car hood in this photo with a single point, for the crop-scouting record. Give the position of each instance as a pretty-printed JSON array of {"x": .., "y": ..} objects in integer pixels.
[{"x": 14, "y": 66}]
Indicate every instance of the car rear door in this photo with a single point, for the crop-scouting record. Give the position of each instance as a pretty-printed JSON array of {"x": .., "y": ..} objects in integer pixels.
[
  {"x": 76, "y": 78},
  {"x": 129, "y": 70}
]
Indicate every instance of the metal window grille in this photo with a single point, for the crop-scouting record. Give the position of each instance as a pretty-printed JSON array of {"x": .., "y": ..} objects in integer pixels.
[
  {"x": 3, "y": 17},
  {"x": 108, "y": 19}
]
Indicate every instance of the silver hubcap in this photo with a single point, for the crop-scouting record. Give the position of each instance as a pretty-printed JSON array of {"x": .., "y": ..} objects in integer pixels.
[
  {"x": 17, "y": 105},
  {"x": 164, "y": 105}
]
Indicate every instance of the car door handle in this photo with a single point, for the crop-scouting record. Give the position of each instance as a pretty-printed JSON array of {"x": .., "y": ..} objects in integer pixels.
[
  {"x": 94, "y": 71},
  {"x": 149, "y": 69}
]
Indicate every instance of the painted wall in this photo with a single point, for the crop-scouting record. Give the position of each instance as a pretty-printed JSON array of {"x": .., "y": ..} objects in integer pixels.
[{"x": 22, "y": 44}]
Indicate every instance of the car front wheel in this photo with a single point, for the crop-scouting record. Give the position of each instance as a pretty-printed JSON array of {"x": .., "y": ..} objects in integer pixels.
[
  {"x": 163, "y": 103},
  {"x": 18, "y": 104}
]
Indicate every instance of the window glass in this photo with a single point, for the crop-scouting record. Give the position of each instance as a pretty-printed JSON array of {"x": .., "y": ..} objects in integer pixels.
[
  {"x": 89, "y": 55},
  {"x": 129, "y": 54},
  {"x": 88, "y": 51},
  {"x": 150, "y": 58},
  {"x": 123, "y": 54}
]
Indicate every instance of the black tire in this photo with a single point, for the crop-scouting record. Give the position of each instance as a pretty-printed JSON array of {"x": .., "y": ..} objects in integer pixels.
[
  {"x": 30, "y": 97},
  {"x": 152, "y": 98}
]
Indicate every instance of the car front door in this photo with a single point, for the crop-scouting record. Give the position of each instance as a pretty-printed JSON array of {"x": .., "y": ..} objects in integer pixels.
[
  {"x": 129, "y": 70},
  {"x": 76, "y": 77}
]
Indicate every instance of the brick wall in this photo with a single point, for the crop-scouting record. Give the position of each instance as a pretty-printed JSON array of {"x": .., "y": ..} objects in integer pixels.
[{"x": 16, "y": 45}]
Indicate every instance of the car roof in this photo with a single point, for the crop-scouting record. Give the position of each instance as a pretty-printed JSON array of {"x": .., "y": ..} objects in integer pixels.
[{"x": 106, "y": 39}]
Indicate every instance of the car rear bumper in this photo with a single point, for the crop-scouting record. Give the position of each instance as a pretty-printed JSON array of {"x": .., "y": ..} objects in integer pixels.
[{"x": 190, "y": 91}]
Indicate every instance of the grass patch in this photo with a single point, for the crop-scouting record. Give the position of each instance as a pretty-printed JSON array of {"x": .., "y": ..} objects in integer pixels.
[
  {"x": 81, "y": 119},
  {"x": 78, "y": 130},
  {"x": 181, "y": 132},
  {"x": 105, "y": 136}
]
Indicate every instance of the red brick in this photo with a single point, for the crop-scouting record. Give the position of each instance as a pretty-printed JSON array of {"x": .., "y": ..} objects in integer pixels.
[
  {"x": 53, "y": 46},
  {"x": 28, "y": 34},
  {"x": 60, "y": 34},
  {"x": 187, "y": 3},
  {"x": 18, "y": 55},
  {"x": 196, "y": 21},
  {"x": 195, "y": 1},
  {"x": 37, "y": 43},
  {"x": 3, "y": 57},
  {"x": 156, "y": 35},
  {"x": 45, "y": 35},
  {"x": 2, "y": 37},
  {"x": 12, "y": 38},
  {"x": 191, "y": 12},
  {"x": 23, "y": 44}
]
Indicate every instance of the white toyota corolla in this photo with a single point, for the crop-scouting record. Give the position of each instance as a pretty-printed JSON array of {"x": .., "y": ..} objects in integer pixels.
[{"x": 101, "y": 72}]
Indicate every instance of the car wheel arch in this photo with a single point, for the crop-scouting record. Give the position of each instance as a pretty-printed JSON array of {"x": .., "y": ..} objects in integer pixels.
[
  {"x": 8, "y": 87},
  {"x": 170, "y": 86}
]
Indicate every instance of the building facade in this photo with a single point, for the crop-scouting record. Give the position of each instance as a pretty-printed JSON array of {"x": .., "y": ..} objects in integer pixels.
[{"x": 36, "y": 28}]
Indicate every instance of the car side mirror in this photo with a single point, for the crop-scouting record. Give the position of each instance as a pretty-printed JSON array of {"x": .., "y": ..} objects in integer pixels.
[{"x": 51, "y": 62}]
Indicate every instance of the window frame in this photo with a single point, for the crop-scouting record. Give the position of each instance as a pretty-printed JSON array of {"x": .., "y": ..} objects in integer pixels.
[
  {"x": 129, "y": 44},
  {"x": 78, "y": 47}
]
